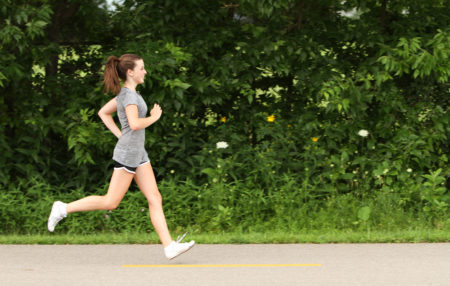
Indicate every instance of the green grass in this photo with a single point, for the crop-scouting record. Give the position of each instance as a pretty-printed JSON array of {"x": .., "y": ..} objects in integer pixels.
[{"x": 401, "y": 236}]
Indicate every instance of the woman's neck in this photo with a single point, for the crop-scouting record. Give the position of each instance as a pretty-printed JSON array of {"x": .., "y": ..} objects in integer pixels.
[{"x": 130, "y": 85}]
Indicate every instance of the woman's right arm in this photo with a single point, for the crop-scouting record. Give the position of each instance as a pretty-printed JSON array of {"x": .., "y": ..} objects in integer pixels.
[
  {"x": 106, "y": 113},
  {"x": 137, "y": 123}
]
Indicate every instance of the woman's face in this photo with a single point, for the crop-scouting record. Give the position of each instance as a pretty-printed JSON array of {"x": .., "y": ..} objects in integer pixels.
[{"x": 138, "y": 73}]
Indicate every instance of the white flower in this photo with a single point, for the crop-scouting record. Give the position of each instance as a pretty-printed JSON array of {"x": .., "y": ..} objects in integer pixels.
[
  {"x": 172, "y": 171},
  {"x": 409, "y": 170},
  {"x": 221, "y": 145},
  {"x": 363, "y": 133}
]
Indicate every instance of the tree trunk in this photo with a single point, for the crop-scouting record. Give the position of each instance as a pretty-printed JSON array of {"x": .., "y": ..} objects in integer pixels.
[
  {"x": 383, "y": 17},
  {"x": 63, "y": 14}
]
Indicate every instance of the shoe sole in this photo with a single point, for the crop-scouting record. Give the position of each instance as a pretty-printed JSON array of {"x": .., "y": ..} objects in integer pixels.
[{"x": 48, "y": 221}]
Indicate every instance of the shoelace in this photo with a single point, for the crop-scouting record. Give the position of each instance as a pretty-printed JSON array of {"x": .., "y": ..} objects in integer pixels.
[{"x": 179, "y": 239}]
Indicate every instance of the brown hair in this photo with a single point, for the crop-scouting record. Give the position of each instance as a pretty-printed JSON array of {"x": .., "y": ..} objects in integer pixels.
[{"x": 116, "y": 68}]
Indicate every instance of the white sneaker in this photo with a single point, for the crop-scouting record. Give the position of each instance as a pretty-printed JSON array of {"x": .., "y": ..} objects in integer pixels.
[
  {"x": 58, "y": 213},
  {"x": 176, "y": 248}
]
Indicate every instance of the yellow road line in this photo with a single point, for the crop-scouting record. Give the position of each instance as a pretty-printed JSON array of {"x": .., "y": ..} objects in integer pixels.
[{"x": 217, "y": 265}]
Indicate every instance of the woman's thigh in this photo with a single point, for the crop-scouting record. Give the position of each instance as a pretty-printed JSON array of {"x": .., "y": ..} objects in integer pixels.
[
  {"x": 146, "y": 181},
  {"x": 119, "y": 184}
]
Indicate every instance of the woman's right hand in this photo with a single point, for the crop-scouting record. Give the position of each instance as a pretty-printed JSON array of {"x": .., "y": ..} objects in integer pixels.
[{"x": 156, "y": 112}]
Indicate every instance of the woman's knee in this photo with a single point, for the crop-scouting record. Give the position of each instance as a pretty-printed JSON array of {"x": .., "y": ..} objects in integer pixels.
[
  {"x": 154, "y": 198},
  {"x": 110, "y": 204}
]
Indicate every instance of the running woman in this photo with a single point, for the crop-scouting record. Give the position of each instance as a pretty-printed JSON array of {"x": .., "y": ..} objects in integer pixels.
[{"x": 130, "y": 157}]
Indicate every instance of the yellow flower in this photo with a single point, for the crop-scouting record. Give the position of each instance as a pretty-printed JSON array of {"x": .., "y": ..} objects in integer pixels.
[
  {"x": 271, "y": 118},
  {"x": 224, "y": 119},
  {"x": 315, "y": 139}
]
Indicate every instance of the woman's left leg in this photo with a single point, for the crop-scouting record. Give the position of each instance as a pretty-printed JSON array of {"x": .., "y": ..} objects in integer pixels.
[{"x": 145, "y": 179}]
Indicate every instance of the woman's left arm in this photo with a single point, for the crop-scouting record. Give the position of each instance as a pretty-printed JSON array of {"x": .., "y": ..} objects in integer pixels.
[{"x": 106, "y": 113}]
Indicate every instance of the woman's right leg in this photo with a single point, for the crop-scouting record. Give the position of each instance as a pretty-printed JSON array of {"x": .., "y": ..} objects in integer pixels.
[
  {"x": 118, "y": 186},
  {"x": 146, "y": 182}
]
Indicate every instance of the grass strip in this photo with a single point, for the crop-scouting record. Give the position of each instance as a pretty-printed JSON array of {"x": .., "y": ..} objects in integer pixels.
[{"x": 400, "y": 236}]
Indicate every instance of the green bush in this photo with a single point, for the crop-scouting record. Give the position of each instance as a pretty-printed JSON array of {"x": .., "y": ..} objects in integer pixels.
[{"x": 238, "y": 206}]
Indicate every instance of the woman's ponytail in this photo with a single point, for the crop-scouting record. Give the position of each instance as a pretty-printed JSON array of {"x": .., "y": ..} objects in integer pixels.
[
  {"x": 111, "y": 80},
  {"x": 116, "y": 69}
]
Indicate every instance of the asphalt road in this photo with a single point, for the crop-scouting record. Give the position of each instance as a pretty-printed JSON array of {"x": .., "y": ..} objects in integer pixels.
[{"x": 261, "y": 264}]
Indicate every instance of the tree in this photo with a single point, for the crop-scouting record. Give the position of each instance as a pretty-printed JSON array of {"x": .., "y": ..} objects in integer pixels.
[{"x": 316, "y": 67}]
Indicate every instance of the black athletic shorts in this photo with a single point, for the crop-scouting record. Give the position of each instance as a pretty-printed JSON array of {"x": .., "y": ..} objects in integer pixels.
[{"x": 118, "y": 166}]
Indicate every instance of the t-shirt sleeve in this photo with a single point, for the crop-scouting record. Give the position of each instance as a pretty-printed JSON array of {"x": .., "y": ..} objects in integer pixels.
[{"x": 129, "y": 98}]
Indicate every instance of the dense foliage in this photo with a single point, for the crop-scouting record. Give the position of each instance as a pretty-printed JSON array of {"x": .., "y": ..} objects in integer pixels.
[{"x": 288, "y": 84}]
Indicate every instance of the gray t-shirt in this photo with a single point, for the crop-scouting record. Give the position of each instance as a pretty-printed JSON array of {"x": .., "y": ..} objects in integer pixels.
[{"x": 130, "y": 150}]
